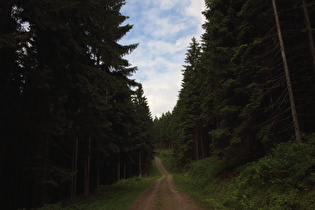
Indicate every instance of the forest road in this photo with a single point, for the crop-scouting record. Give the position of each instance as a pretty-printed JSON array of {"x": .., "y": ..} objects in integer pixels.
[{"x": 164, "y": 195}]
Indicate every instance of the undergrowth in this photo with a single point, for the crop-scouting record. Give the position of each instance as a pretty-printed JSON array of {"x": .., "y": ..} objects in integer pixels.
[
  {"x": 283, "y": 179},
  {"x": 120, "y": 195}
]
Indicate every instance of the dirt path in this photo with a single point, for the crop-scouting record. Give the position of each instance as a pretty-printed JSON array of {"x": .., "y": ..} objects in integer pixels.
[{"x": 164, "y": 195}]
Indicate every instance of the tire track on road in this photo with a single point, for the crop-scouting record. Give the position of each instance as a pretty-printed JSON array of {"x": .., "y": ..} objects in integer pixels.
[{"x": 164, "y": 194}]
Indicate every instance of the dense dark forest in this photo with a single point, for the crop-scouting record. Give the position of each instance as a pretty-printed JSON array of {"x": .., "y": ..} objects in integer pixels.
[
  {"x": 247, "y": 86},
  {"x": 242, "y": 133},
  {"x": 71, "y": 118}
]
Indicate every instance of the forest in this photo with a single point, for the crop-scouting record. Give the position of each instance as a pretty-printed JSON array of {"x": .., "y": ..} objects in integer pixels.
[
  {"x": 235, "y": 101},
  {"x": 72, "y": 119},
  {"x": 245, "y": 112}
]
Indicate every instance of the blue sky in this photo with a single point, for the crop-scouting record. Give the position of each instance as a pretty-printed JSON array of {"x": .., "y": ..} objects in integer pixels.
[{"x": 163, "y": 29}]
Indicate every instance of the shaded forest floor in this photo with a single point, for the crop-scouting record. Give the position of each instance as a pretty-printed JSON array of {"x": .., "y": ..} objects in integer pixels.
[
  {"x": 283, "y": 179},
  {"x": 118, "y": 196}
]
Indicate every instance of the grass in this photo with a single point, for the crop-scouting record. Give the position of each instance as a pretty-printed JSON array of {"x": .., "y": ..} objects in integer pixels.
[
  {"x": 283, "y": 179},
  {"x": 120, "y": 195},
  {"x": 181, "y": 179}
]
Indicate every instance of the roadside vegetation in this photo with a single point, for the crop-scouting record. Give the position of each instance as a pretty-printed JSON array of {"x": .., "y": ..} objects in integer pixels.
[
  {"x": 120, "y": 195},
  {"x": 247, "y": 93},
  {"x": 283, "y": 179}
]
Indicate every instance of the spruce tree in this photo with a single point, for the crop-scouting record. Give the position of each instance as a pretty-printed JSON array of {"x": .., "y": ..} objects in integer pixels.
[
  {"x": 76, "y": 98},
  {"x": 190, "y": 141},
  {"x": 143, "y": 126}
]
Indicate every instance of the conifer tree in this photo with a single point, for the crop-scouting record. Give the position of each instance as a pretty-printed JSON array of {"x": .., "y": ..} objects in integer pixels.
[
  {"x": 241, "y": 100},
  {"x": 73, "y": 99},
  {"x": 144, "y": 127},
  {"x": 190, "y": 141}
]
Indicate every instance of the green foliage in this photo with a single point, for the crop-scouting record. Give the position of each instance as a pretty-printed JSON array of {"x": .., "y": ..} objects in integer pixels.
[
  {"x": 285, "y": 174},
  {"x": 289, "y": 166},
  {"x": 169, "y": 160},
  {"x": 233, "y": 102},
  {"x": 120, "y": 195},
  {"x": 70, "y": 108},
  {"x": 284, "y": 179},
  {"x": 68, "y": 104},
  {"x": 184, "y": 128},
  {"x": 164, "y": 131}
]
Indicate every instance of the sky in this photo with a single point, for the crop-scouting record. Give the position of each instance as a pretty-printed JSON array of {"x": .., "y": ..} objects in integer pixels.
[{"x": 163, "y": 29}]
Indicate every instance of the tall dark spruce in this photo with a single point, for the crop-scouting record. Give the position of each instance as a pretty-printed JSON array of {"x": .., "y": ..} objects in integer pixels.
[
  {"x": 143, "y": 136},
  {"x": 67, "y": 118},
  {"x": 190, "y": 141},
  {"x": 240, "y": 94}
]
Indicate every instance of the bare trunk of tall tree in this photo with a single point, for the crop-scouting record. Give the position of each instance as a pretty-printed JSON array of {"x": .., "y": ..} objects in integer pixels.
[
  {"x": 87, "y": 169},
  {"x": 45, "y": 168},
  {"x": 98, "y": 175},
  {"x": 201, "y": 139},
  {"x": 118, "y": 171},
  {"x": 287, "y": 74},
  {"x": 309, "y": 32},
  {"x": 75, "y": 164},
  {"x": 5, "y": 16},
  {"x": 114, "y": 171},
  {"x": 196, "y": 142},
  {"x": 125, "y": 170},
  {"x": 140, "y": 164},
  {"x": 72, "y": 171},
  {"x": 196, "y": 149}
]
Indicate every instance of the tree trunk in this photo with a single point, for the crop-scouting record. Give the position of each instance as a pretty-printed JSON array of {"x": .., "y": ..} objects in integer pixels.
[
  {"x": 196, "y": 148},
  {"x": 5, "y": 15},
  {"x": 118, "y": 171},
  {"x": 87, "y": 169},
  {"x": 98, "y": 175},
  {"x": 287, "y": 74},
  {"x": 140, "y": 164},
  {"x": 45, "y": 168},
  {"x": 75, "y": 164},
  {"x": 309, "y": 32},
  {"x": 114, "y": 171},
  {"x": 125, "y": 170},
  {"x": 201, "y": 139}
]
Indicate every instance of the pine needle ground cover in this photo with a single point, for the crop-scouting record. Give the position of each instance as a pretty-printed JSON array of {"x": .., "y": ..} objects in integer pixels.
[
  {"x": 283, "y": 179},
  {"x": 120, "y": 195}
]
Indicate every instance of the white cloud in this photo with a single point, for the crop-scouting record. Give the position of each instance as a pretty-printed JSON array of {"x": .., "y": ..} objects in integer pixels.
[
  {"x": 163, "y": 47},
  {"x": 195, "y": 8},
  {"x": 161, "y": 91},
  {"x": 166, "y": 4},
  {"x": 163, "y": 29}
]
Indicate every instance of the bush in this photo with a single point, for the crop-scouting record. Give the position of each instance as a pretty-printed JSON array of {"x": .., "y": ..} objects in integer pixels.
[
  {"x": 283, "y": 179},
  {"x": 289, "y": 165}
]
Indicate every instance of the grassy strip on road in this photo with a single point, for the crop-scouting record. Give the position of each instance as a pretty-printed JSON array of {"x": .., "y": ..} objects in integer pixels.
[
  {"x": 120, "y": 195},
  {"x": 180, "y": 179}
]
